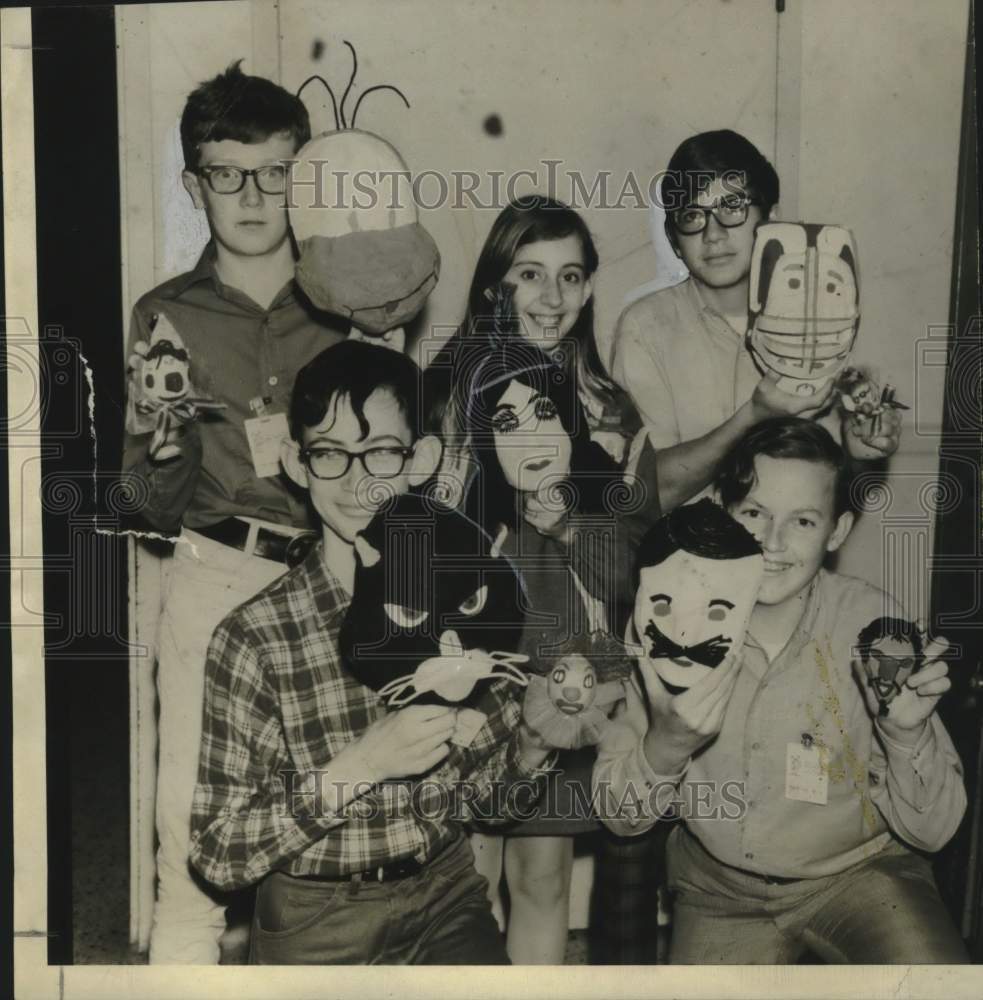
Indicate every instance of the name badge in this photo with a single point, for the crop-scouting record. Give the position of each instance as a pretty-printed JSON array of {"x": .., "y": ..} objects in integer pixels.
[
  {"x": 265, "y": 435},
  {"x": 807, "y": 773},
  {"x": 466, "y": 726}
]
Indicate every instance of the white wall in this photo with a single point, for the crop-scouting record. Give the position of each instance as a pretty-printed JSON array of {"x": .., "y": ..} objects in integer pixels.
[
  {"x": 599, "y": 86},
  {"x": 881, "y": 104},
  {"x": 867, "y": 113}
]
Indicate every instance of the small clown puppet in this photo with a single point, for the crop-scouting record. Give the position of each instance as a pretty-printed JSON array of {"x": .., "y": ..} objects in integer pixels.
[
  {"x": 164, "y": 394},
  {"x": 570, "y": 706}
]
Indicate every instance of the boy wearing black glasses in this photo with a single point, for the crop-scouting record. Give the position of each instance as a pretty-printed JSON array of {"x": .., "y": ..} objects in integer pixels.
[
  {"x": 680, "y": 352},
  {"x": 348, "y": 873},
  {"x": 216, "y": 477}
]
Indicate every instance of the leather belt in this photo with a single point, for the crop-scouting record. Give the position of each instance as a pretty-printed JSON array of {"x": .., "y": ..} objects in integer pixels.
[
  {"x": 285, "y": 548},
  {"x": 404, "y": 868},
  {"x": 767, "y": 879}
]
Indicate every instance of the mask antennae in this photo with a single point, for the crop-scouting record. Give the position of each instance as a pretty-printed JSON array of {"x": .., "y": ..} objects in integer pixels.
[
  {"x": 378, "y": 86},
  {"x": 327, "y": 87},
  {"x": 351, "y": 80}
]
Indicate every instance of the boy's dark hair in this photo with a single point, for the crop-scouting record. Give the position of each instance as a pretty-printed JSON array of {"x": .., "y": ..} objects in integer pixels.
[
  {"x": 703, "y": 529},
  {"x": 240, "y": 107},
  {"x": 353, "y": 370},
  {"x": 889, "y": 628},
  {"x": 723, "y": 155},
  {"x": 783, "y": 437}
]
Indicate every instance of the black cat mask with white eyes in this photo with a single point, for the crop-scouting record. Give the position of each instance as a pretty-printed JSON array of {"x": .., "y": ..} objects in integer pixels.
[{"x": 435, "y": 607}]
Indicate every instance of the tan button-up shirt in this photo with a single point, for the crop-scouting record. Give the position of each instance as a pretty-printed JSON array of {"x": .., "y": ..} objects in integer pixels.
[{"x": 684, "y": 366}]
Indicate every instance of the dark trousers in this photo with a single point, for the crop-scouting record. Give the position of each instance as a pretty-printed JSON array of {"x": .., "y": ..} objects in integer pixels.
[
  {"x": 440, "y": 917},
  {"x": 884, "y": 910}
]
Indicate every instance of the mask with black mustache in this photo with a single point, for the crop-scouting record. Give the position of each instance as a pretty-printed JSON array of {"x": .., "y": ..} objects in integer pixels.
[{"x": 709, "y": 652}]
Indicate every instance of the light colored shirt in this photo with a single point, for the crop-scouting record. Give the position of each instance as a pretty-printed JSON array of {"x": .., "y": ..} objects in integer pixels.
[
  {"x": 734, "y": 789},
  {"x": 684, "y": 366}
]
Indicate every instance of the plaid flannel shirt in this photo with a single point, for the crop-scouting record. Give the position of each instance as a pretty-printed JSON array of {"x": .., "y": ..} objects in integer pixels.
[{"x": 279, "y": 705}]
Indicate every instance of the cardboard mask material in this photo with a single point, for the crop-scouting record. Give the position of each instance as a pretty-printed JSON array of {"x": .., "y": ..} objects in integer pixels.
[{"x": 804, "y": 303}]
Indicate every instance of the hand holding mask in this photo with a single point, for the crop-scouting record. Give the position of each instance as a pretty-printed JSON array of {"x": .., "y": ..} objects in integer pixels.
[
  {"x": 698, "y": 580},
  {"x": 804, "y": 303}
]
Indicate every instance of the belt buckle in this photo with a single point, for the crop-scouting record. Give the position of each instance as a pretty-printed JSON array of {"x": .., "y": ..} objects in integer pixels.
[{"x": 380, "y": 873}]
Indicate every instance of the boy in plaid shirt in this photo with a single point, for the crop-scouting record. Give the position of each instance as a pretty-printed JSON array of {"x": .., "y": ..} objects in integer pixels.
[{"x": 296, "y": 754}]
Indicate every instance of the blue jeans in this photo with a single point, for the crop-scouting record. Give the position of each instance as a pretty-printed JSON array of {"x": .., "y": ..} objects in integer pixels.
[
  {"x": 884, "y": 910},
  {"x": 440, "y": 917}
]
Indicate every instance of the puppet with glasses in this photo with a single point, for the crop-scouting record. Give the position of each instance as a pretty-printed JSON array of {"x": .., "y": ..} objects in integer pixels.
[{"x": 698, "y": 576}]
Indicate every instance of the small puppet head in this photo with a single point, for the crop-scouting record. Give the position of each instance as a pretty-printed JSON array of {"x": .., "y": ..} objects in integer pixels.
[
  {"x": 529, "y": 434},
  {"x": 363, "y": 253},
  {"x": 699, "y": 573},
  {"x": 165, "y": 371},
  {"x": 891, "y": 650},
  {"x": 569, "y": 706},
  {"x": 804, "y": 303},
  {"x": 429, "y": 584}
]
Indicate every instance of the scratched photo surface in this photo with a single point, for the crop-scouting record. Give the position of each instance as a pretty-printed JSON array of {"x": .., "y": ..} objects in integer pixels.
[{"x": 868, "y": 114}]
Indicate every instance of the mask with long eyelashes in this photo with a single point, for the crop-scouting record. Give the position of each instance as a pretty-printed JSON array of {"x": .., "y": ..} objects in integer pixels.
[
  {"x": 709, "y": 652},
  {"x": 432, "y": 593}
]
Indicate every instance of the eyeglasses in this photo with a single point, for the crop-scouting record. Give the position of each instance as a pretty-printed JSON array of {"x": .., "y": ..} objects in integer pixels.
[
  {"x": 730, "y": 211},
  {"x": 223, "y": 179},
  {"x": 333, "y": 463}
]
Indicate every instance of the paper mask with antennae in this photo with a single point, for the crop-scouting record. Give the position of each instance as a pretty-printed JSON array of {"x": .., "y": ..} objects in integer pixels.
[
  {"x": 699, "y": 573},
  {"x": 804, "y": 303},
  {"x": 363, "y": 253},
  {"x": 891, "y": 650},
  {"x": 435, "y": 609}
]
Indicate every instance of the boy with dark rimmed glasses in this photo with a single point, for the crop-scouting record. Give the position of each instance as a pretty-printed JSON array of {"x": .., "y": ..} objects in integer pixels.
[
  {"x": 679, "y": 351},
  {"x": 339, "y": 880},
  {"x": 217, "y": 481}
]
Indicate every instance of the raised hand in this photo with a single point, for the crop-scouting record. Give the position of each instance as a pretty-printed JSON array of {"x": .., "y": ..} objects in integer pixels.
[
  {"x": 909, "y": 711},
  {"x": 869, "y": 439},
  {"x": 682, "y": 724},
  {"x": 768, "y": 400}
]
